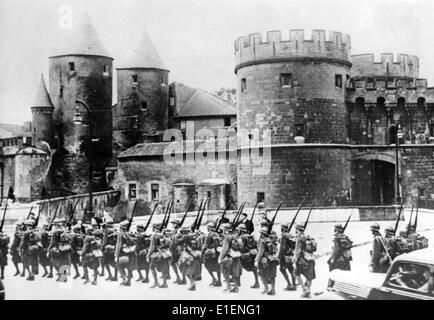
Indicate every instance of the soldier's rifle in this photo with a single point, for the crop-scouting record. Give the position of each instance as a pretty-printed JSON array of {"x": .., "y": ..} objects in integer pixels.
[
  {"x": 296, "y": 214},
  {"x": 221, "y": 220},
  {"x": 186, "y": 213},
  {"x": 270, "y": 227},
  {"x": 4, "y": 216},
  {"x": 41, "y": 205},
  {"x": 193, "y": 226},
  {"x": 30, "y": 212},
  {"x": 54, "y": 217},
  {"x": 346, "y": 223},
  {"x": 130, "y": 220},
  {"x": 399, "y": 217},
  {"x": 150, "y": 217},
  {"x": 253, "y": 212},
  {"x": 238, "y": 215},
  {"x": 168, "y": 215},
  {"x": 415, "y": 219},
  {"x": 166, "y": 210},
  {"x": 72, "y": 214},
  {"x": 411, "y": 216},
  {"x": 199, "y": 221},
  {"x": 308, "y": 215}
]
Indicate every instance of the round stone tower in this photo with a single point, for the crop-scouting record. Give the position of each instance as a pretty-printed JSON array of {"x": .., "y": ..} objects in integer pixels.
[
  {"x": 141, "y": 114},
  {"x": 294, "y": 91},
  {"x": 81, "y": 68},
  {"x": 42, "y": 116}
]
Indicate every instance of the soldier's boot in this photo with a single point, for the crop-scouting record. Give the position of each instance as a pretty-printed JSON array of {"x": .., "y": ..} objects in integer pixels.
[
  {"x": 17, "y": 269},
  {"x": 140, "y": 276},
  {"x": 146, "y": 280},
  {"x": 178, "y": 279},
  {"x": 23, "y": 273},
  {"x": 115, "y": 278},
  {"x": 236, "y": 285},
  {"x": 154, "y": 275},
  {"x": 272, "y": 292},
  {"x": 110, "y": 277},
  {"x": 2, "y": 272},
  {"x": 256, "y": 284},
  {"x": 165, "y": 278},
  {"x": 77, "y": 272},
  {"x": 265, "y": 283},
  {"x": 192, "y": 286},
  {"x": 184, "y": 280},
  {"x": 95, "y": 276},
  {"x": 45, "y": 272},
  {"x": 31, "y": 277},
  {"x": 50, "y": 275},
  {"x": 214, "y": 281},
  {"x": 227, "y": 282},
  {"x": 86, "y": 275}
]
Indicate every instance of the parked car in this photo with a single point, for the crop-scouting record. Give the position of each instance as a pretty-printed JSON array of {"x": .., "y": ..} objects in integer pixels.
[
  {"x": 2, "y": 291},
  {"x": 410, "y": 277}
]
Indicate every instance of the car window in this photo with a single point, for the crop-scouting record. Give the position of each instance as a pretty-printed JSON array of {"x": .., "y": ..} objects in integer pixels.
[{"x": 413, "y": 276}]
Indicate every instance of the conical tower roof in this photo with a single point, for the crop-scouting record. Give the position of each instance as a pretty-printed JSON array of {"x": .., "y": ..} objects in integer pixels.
[
  {"x": 82, "y": 39},
  {"x": 42, "y": 98},
  {"x": 144, "y": 55}
]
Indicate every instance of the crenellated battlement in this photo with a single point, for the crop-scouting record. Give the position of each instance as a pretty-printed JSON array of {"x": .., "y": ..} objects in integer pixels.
[
  {"x": 321, "y": 44},
  {"x": 400, "y": 65}
]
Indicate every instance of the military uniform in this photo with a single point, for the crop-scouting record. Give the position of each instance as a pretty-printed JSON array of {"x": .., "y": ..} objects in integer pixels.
[
  {"x": 229, "y": 258},
  {"x": 176, "y": 247},
  {"x": 14, "y": 251},
  {"x": 142, "y": 248},
  {"x": 249, "y": 252},
  {"x": 341, "y": 251},
  {"x": 108, "y": 249},
  {"x": 44, "y": 238},
  {"x": 4, "y": 248},
  {"x": 29, "y": 250},
  {"x": 380, "y": 259},
  {"x": 77, "y": 243},
  {"x": 286, "y": 257},
  {"x": 391, "y": 243},
  {"x": 59, "y": 249},
  {"x": 304, "y": 260},
  {"x": 190, "y": 260},
  {"x": 159, "y": 256},
  {"x": 90, "y": 255},
  {"x": 210, "y": 252},
  {"x": 125, "y": 253}
]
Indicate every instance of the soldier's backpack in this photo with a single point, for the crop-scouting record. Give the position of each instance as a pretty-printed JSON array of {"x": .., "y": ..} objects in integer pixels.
[
  {"x": 309, "y": 244},
  {"x": 345, "y": 243}
]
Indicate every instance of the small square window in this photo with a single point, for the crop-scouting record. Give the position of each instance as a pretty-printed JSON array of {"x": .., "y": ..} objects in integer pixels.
[
  {"x": 227, "y": 122},
  {"x": 71, "y": 66},
  {"x": 132, "y": 192},
  {"x": 134, "y": 76},
  {"x": 299, "y": 130},
  {"x": 243, "y": 85},
  {"x": 208, "y": 194},
  {"x": 155, "y": 191},
  {"x": 260, "y": 196},
  {"x": 106, "y": 69},
  {"x": 338, "y": 80},
  {"x": 144, "y": 105},
  {"x": 286, "y": 80}
]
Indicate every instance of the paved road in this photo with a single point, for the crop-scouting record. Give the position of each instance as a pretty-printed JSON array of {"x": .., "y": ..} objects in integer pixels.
[{"x": 19, "y": 288}]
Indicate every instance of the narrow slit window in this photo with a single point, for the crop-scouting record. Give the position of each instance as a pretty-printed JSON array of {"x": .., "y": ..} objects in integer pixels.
[
  {"x": 338, "y": 80},
  {"x": 132, "y": 191},
  {"x": 134, "y": 76},
  {"x": 144, "y": 105},
  {"x": 155, "y": 191},
  {"x": 243, "y": 85},
  {"x": 72, "y": 66},
  {"x": 286, "y": 80}
]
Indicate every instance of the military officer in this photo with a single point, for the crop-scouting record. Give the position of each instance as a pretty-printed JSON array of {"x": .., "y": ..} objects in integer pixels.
[
  {"x": 125, "y": 254},
  {"x": 249, "y": 252},
  {"x": 341, "y": 250},
  {"x": 210, "y": 254},
  {"x": 286, "y": 257}
]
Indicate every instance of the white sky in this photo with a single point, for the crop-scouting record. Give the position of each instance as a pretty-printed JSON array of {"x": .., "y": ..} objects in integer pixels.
[{"x": 195, "y": 38}]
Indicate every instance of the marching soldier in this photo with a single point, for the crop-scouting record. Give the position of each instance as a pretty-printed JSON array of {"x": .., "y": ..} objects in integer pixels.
[
  {"x": 99, "y": 234},
  {"x": 77, "y": 243},
  {"x": 59, "y": 249},
  {"x": 125, "y": 254},
  {"x": 89, "y": 255},
  {"x": 249, "y": 253},
  {"x": 262, "y": 212},
  {"x": 380, "y": 259},
  {"x": 159, "y": 256},
  {"x": 44, "y": 261},
  {"x": 266, "y": 261},
  {"x": 4, "y": 248},
  {"x": 391, "y": 243},
  {"x": 190, "y": 259},
  {"x": 14, "y": 252},
  {"x": 286, "y": 257},
  {"x": 176, "y": 247},
  {"x": 210, "y": 254},
  {"x": 29, "y": 250},
  {"x": 229, "y": 258},
  {"x": 304, "y": 260},
  {"x": 341, "y": 251},
  {"x": 142, "y": 247},
  {"x": 108, "y": 249}
]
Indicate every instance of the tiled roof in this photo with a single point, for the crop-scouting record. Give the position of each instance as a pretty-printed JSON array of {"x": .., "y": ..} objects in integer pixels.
[
  {"x": 42, "y": 98},
  {"x": 82, "y": 39},
  {"x": 158, "y": 149},
  {"x": 144, "y": 55},
  {"x": 12, "y": 130},
  {"x": 192, "y": 102}
]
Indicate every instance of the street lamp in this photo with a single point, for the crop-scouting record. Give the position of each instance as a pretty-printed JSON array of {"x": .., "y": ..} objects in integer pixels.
[
  {"x": 78, "y": 120},
  {"x": 396, "y": 117}
]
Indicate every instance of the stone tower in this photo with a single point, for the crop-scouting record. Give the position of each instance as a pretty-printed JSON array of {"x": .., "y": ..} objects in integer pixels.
[
  {"x": 295, "y": 89},
  {"x": 141, "y": 114},
  {"x": 42, "y": 116},
  {"x": 81, "y": 68}
]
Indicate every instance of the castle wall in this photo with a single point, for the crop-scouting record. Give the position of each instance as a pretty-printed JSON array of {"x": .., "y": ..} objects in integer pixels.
[
  {"x": 42, "y": 125},
  {"x": 401, "y": 65}
]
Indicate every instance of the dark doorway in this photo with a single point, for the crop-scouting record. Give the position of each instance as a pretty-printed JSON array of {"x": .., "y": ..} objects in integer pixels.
[{"x": 383, "y": 182}]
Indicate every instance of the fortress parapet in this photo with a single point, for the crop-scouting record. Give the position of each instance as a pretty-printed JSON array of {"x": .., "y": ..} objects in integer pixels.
[
  {"x": 330, "y": 45},
  {"x": 401, "y": 65}
]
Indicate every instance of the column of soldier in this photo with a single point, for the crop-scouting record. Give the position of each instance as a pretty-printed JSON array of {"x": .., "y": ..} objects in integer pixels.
[{"x": 226, "y": 250}]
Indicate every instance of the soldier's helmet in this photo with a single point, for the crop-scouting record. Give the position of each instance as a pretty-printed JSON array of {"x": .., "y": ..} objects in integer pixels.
[
  {"x": 211, "y": 225},
  {"x": 124, "y": 225},
  {"x": 403, "y": 233},
  {"x": 19, "y": 225},
  {"x": 29, "y": 222},
  {"x": 375, "y": 226},
  {"x": 185, "y": 229},
  {"x": 285, "y": 226},
  {"x": 109, "y": 221},
  {"x": 264, "y": 223},
  {"x": 227, "y": 226},
  {"x": 299, "y": 227},
  {"x": 156, "y": 225},
  {"x": 339, "y": 228},
  {"x": 140, "y": 227},
  {"x": 89, "y": 229},
  {"x": 261, "y": 205},
  {"x": 264, "y": 231},
  {"x": 76, "y": 228},
  {"x": 57, "y": 222},
  {"x": 242, "y": 228},
  {"x": 45, "y": 226},
  {"x": 410, "y": 227},
  {"x": 389, "y": 230},
  {"x": 176, "y": 222}
]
